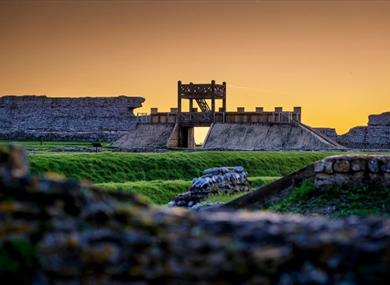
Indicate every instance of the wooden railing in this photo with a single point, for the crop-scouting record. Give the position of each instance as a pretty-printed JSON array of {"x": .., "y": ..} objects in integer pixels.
[
  {"x": 205, "y": 118},
  {"x": 202, "y": 89}
]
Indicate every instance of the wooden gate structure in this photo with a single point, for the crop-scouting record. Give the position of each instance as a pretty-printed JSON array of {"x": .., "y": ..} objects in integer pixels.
[
  {"x": 206, "y": 96},
  {"x": 229, "y": 130}
]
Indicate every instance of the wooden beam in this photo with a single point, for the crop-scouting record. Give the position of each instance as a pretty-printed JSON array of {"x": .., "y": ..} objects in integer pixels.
[
  {"x": 224, "y": 97},
  {"x": 178, "y": 98},
  {"x": 212, "y": 96}
]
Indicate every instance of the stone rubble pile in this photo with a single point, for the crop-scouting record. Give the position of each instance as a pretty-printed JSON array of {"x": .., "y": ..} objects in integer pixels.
[
  {"x": 219, "y": 180},
  {"x": 62, "y": 232},
  {"x": 352, "y": 171}
]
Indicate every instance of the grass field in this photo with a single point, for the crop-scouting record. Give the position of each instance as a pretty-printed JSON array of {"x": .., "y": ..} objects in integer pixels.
[
  {"x": 161, "y": 176},
  {"x": 123, "y": 167},
  {"x": 335, "y": 202},
  {"x": 157, "y": 176},
  {"x": 160, "y": 192}
]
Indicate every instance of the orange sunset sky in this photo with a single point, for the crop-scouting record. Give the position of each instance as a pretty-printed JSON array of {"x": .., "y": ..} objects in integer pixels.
[{"x": 330, "y": 57}]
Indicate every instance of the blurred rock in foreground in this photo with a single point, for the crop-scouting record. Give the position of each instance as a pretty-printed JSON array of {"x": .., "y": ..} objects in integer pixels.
[{"x": 61, "y": 232}]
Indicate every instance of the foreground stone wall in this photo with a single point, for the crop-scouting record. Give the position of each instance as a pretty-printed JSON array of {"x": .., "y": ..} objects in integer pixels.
[
  {"x": 352, "y": 171},
  {"x": 61, "y": 232},
  {"x": 41, "y": 117},
  {"x": 375, "y": 135}
]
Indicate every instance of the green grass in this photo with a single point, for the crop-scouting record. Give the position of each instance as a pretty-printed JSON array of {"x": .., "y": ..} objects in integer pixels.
[
  {"x": 336, "y": 202},
  {"x": 160, "y": 192},
  {"x": 224, "y": 198},
  {"x": 123, "y": 167},
  {"x": 257, "y": 181},
  {"x": 37, "y": 145}
]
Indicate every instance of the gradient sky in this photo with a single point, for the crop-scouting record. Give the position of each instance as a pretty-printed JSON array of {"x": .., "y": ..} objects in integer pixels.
[{"x": 330, "y": 57}]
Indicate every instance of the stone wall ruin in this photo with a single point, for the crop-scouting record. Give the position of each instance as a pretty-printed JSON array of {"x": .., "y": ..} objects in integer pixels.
[
  {"x": 376, "y": 135},
  {"x": 352, "y": 171},
  {"x": 47, "y": 118},
  {"x": 214, "y": 181}
]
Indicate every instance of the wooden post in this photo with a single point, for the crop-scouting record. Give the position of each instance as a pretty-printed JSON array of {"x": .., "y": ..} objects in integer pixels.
[
  {"x": 191, "y": 104},
  {"x": 224, "y": 97},
  {"x": 178, "y": 100},
  {"x": 212, "y": 96}
]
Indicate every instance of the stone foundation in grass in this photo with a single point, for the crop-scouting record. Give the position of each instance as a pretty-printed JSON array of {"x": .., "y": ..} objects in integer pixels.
[
  {"x": 214, "y": 181},
  {"x": 352, "y": 171}
]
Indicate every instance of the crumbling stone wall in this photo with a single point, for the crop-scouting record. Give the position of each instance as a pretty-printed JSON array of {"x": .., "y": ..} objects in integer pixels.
[
  {"x": 379, "y": 120},
  {"x": 61, "y": 232},
  {"x": 41, "y": 117},
  {"x": 375, "y": 135},
  {"x": 329, "y": 132},
  {"x": 352, "y": 171}
]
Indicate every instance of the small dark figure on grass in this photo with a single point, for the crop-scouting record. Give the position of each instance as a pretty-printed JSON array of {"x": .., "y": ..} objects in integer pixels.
[{"x": 97, "y": 145}]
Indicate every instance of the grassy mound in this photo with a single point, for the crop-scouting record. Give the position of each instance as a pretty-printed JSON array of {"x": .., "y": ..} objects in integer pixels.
[
  {"x": 336, "y": 202},
  {"x": 123, "y": 167}
]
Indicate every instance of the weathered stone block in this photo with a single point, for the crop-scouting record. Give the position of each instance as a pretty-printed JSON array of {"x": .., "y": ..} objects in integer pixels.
[
  {"x": 323, "y": 181},
  {"x": 342, "y": 179},
  {"x": 328, "y": 165},
  {"x": 373, "y": 165},
  {"x": 319, "y": 166},
  {"x": 342, "y": 166},
  {"x": 386, "y": 179},
  {"x": 357, "y": 178},
  {"x": 358, "y": 165},
  {"x": 374, "y": 178},
  {"x": 385, "y": 167}
]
